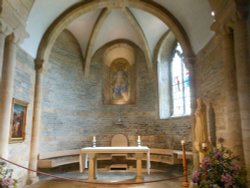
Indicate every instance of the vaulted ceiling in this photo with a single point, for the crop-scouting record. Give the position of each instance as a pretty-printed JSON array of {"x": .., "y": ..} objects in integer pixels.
[{"x": 108, "y": 20}]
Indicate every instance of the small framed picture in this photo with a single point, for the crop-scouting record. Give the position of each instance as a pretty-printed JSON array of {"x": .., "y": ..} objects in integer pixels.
[{"x": 18, "y": 121}]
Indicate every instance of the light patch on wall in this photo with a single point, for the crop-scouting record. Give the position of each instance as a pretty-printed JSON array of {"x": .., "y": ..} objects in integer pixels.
[{"x": 120, "y": 50}]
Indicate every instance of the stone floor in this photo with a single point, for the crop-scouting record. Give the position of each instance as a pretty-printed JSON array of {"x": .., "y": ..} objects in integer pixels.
[{"x": 113, "y": 179}]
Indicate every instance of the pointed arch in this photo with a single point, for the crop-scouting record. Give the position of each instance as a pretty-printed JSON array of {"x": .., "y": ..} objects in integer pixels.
[{"x": 77, "y": 10}]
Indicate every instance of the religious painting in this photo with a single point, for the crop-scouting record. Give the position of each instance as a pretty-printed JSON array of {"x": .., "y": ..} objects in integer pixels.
[
  {"x": 120, "y": 83},
  {"x": 120, "y": 86},
  {"x": 18, "y": 121}
]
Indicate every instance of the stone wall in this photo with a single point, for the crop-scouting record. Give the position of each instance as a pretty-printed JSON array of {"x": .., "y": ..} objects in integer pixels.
[
  {"x": 73, "y": 109},
  {"x": 209, "y": 77},
  {"x": 23, "y": 90}
]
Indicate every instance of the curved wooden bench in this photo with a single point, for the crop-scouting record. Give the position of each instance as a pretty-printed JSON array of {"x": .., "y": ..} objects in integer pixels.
[
  {"x": 58, "y": 158},
  {"x": 167, "y": 156}
]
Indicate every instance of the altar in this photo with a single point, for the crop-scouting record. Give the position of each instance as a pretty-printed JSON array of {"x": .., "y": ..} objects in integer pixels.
[{"x": 91, "y": 154}]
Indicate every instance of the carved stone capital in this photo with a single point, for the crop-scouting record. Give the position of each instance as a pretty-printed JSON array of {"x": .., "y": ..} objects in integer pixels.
[
  {"x": 222, "y": 29},
  {"x": 39, "y": 65},
  {"x": 189, "y": 62},
  {"x": 20, "y": 34},
  {"x": 11, "y": 38},
  {"x": 13, "y": 21},
  {"x": 231, "y": 13},
  {"x": 14, "y": 37},
  {"x": 4, "y": 28}
]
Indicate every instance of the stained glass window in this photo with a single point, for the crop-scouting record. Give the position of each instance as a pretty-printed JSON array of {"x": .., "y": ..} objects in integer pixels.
[
  {"x": 174, "y": 86},
  {"x": 180, "y": 85}
]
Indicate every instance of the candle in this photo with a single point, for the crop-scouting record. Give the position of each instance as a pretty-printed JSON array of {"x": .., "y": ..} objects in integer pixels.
[
  {"x": 182, "y": 142},
  {"x": 204, "y": 145},
  {"x": 94, "y": 139},
  {"x": 139, "y": 138}
]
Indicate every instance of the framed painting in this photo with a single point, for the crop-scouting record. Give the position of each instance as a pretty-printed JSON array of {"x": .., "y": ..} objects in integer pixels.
[
  {"x": 18, "y": 121},
  {"x": 119, "y": 82}
]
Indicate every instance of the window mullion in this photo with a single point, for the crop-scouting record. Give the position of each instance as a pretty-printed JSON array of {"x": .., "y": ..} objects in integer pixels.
[
  {"x": 171, "y": 97},
  {"x": 183, "y": 88}
]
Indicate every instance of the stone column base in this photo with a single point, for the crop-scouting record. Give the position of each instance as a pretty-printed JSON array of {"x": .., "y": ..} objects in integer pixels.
[{"x": 31, "y": 179}]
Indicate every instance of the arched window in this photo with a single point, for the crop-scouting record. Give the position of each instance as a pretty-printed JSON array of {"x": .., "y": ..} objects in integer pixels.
[{"x": 174, "y": 86}]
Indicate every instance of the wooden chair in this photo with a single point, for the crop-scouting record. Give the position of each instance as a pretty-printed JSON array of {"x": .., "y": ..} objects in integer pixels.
[
  {"x": 116, "y": 141},
  {"x": 119, "y": 140}
]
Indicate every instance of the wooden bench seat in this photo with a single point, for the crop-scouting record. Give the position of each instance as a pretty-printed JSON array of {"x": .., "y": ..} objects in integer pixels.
[
  {"x": 57, "y": 161},
  {"x": 58, "y": 158},
  {"x": 167, "y": 156}
]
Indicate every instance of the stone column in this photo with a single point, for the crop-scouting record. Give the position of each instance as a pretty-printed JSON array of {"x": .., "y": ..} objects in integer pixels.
[
  {"x": 34, "y": 147},
  {"x": 232, "y": 115},
  {"x": 4, "y": 31},
  {"x": 2, "y": 42},
  {"x": 7, "y": 84},
  {"x": 243, "y": 83}
]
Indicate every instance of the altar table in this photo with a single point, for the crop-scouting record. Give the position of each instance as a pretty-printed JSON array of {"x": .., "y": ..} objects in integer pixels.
[{"x": 92, "y": 152}]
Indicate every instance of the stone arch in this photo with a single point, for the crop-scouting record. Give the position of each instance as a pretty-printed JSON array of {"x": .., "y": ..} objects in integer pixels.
[{"x": 75, "y": 11}]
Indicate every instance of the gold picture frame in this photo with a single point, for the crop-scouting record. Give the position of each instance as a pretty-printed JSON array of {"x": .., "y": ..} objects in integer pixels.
[{"x": 18, "y": 121}]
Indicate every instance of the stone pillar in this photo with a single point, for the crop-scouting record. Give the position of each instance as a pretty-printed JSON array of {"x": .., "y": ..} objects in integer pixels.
[
  {"x": 235, "y": 15},
  {"x": 34, "y": 147},
  {"x": 233, "y": 129},
  {"x": 4, "y": 31},
  {"x": 243, "y": 83},
  {"x": 2, "y": 42},
  {"x": 7, "y": 84}
]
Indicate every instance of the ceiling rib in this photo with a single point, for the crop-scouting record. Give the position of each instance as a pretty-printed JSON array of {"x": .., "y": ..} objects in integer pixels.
[
  {"x": 145, "y": 47},
  {"x": 75, "y": 11},
  {"x": 89, "y": 50}
]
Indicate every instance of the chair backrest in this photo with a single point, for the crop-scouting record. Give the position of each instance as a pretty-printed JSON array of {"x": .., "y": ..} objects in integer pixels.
[{"x": 119, "y": 140}]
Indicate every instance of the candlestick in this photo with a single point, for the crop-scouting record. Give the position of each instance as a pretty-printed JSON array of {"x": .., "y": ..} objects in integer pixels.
[
  {"x": 94, "y": 141},
  {"x": 204, "y": 145},
  {"x": 139, "y": 141},
  {"x": 185, "y": 183}
]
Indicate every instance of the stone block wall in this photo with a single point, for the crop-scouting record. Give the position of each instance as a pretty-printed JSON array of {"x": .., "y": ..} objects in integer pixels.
[
  {"x": 23, "y": 90},
  {"x": 73, "y": 110},
  {"x": 209, "y": 77}
]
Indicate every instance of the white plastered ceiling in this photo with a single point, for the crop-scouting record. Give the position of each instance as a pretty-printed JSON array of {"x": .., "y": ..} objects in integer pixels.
[{"x": 194, "y": 16}]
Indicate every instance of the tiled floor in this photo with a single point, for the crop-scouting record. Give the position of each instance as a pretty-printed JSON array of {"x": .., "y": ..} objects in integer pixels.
[{"x": 113, "y": 179}]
